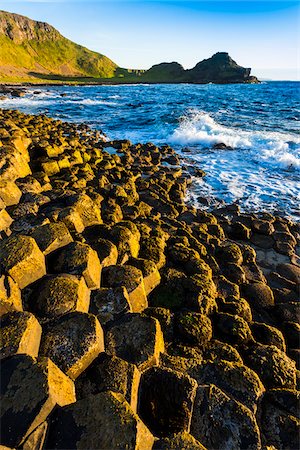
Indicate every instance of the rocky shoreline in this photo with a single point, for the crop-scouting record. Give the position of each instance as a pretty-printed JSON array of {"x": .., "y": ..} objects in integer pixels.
[{"x": 130, "y": 320}]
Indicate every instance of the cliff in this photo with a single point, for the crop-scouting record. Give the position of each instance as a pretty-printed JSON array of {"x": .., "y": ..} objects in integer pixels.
[{"x": 31, "y": 49}]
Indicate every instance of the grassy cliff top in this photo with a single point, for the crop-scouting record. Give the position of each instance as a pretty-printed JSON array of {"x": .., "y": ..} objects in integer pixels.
[{"x": 36, "y": 51}]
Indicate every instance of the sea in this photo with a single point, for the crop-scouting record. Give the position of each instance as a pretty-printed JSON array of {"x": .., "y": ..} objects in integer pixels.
[{"x": 259, "y": 169}]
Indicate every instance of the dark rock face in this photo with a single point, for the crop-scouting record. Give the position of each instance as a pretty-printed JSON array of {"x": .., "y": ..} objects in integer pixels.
[
  {"x": 176, "y": 325},
  {"x": 220, "y": 68},
  {"x": 166, "y": 400}
]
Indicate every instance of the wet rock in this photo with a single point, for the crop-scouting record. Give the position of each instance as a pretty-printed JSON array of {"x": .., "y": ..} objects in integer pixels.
[
  {"x": 132, "y": 279},
  {"x": 221, "y": 422},
  {"x": 30, "y": 388},
  {"x": 81, "y": 260},
  {"x": 55, "y": 295},
  {"x": 166, "y": 400},
  {"x": 178, "y": 441},
  {"x": 274, "y": 367},
  {"x": 51, "y": 236},
  {"x": 259, "y": 295},
  {"x": 235, "y": 379},
  {"x": 22, "y": 260},
  {"x": 114, "y": 425},
  {"x": 137, "y": 339},
  {"x": 73, "y": 342},
  {"x": 10, "y": 295},
  {"x": 110, "y": 303},
  {"x": 193, "y": 328},
  {"x": 110, "y": 373},
  {"x": 20, "y": 332}
]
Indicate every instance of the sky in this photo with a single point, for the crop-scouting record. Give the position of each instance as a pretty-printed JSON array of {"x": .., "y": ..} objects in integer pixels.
[{"x": 263, "y": 35}]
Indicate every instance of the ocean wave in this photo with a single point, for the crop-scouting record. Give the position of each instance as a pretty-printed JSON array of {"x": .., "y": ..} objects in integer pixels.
[{"x": 271, "y": 148}]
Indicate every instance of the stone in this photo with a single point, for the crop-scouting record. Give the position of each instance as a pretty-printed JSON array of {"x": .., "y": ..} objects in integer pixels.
[
  {"x": 36, "y": 440},
  {"x": 30, "y": 388},
  {"x": 22, "y": 260},
  {"x": 110, "y": 373},
  {"x": 5, "y": 220},
  {"x": 109, "y": 303},
  {"x": 10, "y": 295},
  {"x": 193, "y": 328},
  {"x": 73, "y": 342},
  {"x": 126, "y": 241},
  {"x": 166, "y": 400},
  {"x": 220, "y": 422},
  {"x": 232, "y": 329},
  {"x": 136, "y": 338},
  {"x": 235, "y": 379},
  {"x": 274, "y": 367},
  {"x": 55, "y": 295},
  {"x": 87, "y": 209},
  {"x": 291, "y": 331},
  {"x": 107, "y": 252},
  {"x": 217, "y": 351},
  {"x": 132, "y": 279},
  {"x": 229, "y": 253},
  {"x": 50, "y": 167},
  {"x": 235, "y": 273},
  {"x": 103, "y": 421},
  {"x": 234, "y": 306},
  {"x": 178, "y": 441},
  {"x": 152, "y": 249},
  {"x": 51, "y": 236},
  {"x": 81, "y": 260},
  {"x": 268, "y": 335},
  {"x": 279, "y": 417},
  {"x": 259, "y": 295},
  {"x": 165, "y": 318},
  {"x": 20, "y": 332},
  {"x": 10, "y": 193},
  {"x": 151, "y": 275},
  {"x": 290, "y": 271},
  {"x": 72, "y": 219}
]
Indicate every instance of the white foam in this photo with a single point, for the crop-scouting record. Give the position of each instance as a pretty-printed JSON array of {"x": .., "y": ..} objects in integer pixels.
[{"x": 270, "y": 148}]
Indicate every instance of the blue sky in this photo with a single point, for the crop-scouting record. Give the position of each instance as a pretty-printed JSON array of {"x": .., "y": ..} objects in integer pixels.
[{"x": 264, "y": 35}]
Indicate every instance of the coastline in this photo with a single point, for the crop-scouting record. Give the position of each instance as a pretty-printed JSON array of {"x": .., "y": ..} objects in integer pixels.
[{"x": 187, "y": 298}]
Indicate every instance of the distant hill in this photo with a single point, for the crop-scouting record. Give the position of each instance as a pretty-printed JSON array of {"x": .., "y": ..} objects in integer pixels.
[
  {"x": 30, "y": 49},
  {"x": 36, "y": 52}
]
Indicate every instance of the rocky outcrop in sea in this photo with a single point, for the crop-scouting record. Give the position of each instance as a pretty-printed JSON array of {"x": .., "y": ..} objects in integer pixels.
[{"x": 129, "y": 319}]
